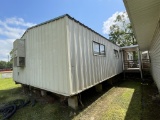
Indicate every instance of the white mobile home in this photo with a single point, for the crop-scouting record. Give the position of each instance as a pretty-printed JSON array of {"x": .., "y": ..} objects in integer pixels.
[
  {"x": 64, "y": 56},
  {"x": 145, "y": 19}
]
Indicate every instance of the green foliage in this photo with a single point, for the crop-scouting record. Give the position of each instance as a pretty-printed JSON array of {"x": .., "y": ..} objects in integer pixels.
[
  {"x": 4, "y": 64},
  {"x": 9, "y": 64},
  {"x": 121, "y": 33},
  {"x": 11, "y": 55}
]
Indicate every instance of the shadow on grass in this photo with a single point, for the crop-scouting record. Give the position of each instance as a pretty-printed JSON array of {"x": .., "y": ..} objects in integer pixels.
[
  {"x": 151, "y": 103},
  {"x": 127, "y": 102},
  {"x": 134, "y": 111},
  {"x": 90, "y": 95},
  {"x": 59, "y": 111},
  {"x": 142, "y": 106},
  {"x": 134, "y": 107},
  {"x": 10, "y": 94},
  {"x": 40, "y": 111}
]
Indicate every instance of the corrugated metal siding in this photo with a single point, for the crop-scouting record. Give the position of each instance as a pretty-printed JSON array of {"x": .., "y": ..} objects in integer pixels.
[
  {"x": 155, "y": 57},
  {"x": 87, "y": 69},
  {"x": 46, "y": 58},
  {"x": 59, "y": 58}
]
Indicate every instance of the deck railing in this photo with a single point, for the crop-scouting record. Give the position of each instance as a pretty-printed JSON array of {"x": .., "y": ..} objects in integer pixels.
[
  {"x": 131, "y": 64},
  {"x": 135, "y": 64},
  {"x": 145, "y": 63}
]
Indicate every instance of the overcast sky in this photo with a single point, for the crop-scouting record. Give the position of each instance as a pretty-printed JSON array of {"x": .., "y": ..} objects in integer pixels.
[{"x": 17, "y": 15}]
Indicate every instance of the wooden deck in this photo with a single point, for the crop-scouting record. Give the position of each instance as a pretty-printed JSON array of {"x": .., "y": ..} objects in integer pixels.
[
  {"x": 132, "y": 66},
  {"x": 132, "y": 70}
]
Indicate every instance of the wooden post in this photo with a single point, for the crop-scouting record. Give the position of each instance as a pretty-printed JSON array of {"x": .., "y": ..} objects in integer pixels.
[
  {"x": 122, "y": 54},
  {"x": 140, "y": 67}
]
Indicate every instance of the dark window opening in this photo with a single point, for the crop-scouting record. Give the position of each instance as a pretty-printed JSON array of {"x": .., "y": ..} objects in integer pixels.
[
  {"x": 21, "y": 61},
  {"x": 116, "y": 54}
]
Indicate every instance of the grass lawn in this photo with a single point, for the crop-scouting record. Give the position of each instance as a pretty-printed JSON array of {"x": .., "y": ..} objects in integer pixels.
[
  {"x": 150, "y": 106},
  {"x": 121, "y": 102},
  {"x": 10, "y": 91},
  {"x": 127, "y": 104}
]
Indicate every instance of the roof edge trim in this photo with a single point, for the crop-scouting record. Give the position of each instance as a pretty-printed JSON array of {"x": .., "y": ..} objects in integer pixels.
[{"x": 62, "y": 16}]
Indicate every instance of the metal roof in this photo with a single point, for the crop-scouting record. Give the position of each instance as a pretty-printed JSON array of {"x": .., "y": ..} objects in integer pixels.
[
  {"x": 66, "y": 15},
  {"x": 144, "y": 16}
]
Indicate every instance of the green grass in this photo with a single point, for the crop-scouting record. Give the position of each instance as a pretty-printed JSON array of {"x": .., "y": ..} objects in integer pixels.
[
  {"x": 122, "y": 102},
  {"x": 42, "y": 112},
  {"x": 127, "y": 104},
  {"x": 151, "y": 106},
  {"x": 9, "y": 91}
]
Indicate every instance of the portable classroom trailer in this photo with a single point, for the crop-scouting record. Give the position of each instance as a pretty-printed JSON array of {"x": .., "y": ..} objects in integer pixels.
[{"x": 64, "y": 56}]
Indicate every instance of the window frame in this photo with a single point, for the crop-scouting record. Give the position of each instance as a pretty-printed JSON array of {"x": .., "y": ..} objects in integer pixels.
[
  {"x": 99, "y": 53},
  {"x": 96, "y": 53},
  {"x": 19, "y": 61},
  {"x": 116, "y": 53}
]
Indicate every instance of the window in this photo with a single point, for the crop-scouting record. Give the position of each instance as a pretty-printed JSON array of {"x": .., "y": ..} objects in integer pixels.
[
  {"x": 98, "y": 49},
  {"x": 102, "y": 49},
  {"x": 19, "y": 61},
  {"x": 116, "y": 54}
]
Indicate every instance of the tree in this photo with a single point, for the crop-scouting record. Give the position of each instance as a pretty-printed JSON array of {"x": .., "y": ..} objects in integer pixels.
[
  {"x": 9, "y": 64},
  {"x": 121, "y": 32},
  {"x": 11, "y": 55},
  {"x": 3, "y": 64}
]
